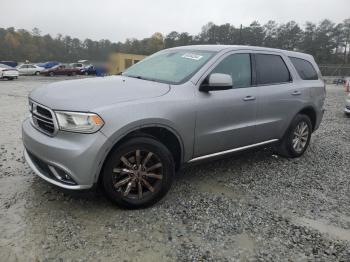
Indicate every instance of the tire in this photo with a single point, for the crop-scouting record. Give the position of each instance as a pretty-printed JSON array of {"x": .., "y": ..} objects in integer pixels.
[
  {"x": 73, "y": 74},
  {"x": 294, "y": 143},
  {"x": 86, "y": 73},
  {"x": 37, "y": 73},
  {"x": 51, "y": 74},
  {"x": 123, "y": 187}
]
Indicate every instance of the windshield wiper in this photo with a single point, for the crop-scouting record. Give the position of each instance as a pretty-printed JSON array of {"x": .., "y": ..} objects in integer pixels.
[{"x": 141, "y": 77}]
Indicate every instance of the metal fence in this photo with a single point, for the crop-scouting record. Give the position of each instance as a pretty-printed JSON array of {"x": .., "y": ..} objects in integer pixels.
[{"x": 335, "y": 70}]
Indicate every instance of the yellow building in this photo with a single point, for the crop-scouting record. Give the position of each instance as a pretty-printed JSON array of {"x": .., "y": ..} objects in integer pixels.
[{"x": 118, "y": 62}]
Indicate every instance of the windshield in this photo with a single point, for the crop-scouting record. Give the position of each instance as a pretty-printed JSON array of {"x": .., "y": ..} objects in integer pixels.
[{"x": 172, "y": 66}]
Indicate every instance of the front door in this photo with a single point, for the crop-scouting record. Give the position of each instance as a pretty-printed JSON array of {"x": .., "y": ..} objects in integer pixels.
[
  {"x": 23, "y": 69},
  {"x": 225, "y": 119}
]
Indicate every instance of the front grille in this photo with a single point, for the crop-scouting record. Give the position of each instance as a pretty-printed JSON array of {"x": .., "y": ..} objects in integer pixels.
[{"x": 43, "y": 118}]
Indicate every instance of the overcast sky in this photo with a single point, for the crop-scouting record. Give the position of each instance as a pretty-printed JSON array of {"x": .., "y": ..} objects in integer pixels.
[{"x": 117, "y": 20}]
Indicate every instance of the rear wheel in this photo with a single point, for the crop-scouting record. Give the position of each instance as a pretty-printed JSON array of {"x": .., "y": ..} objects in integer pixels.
[
  {"x": 51, "y": 74},
  {"x": 297, "y": 138},
  {"x": 73, "y": 74},
  {"x": 86, "y": 73},
  {"x": 138, "y": 173},
  {"x": 37, "y": 73}
]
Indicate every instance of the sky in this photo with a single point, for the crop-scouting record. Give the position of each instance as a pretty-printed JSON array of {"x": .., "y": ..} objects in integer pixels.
[{"x": 118, "y": 20}]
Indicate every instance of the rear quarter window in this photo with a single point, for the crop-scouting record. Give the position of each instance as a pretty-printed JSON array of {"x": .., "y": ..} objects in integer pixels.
[
  {"x": 304, "y": 68},
  {"x": 271, "y": 69}
]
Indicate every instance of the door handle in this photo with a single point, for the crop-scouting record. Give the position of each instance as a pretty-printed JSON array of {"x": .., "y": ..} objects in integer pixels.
[
  {"x": 249, "y": 98},
  {"x": 296, "y": 93}
]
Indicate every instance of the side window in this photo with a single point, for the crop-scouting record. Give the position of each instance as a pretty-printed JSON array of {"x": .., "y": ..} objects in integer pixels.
[
  {"x": 238, "y": 67},
  {"x": 271, "y": 69},
  {"x": 304, "y": 68}
]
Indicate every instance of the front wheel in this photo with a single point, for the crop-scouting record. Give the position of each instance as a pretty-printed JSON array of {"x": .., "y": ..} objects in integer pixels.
[
  {"x": 37, "y": 73},
  {"x": 297, "y": 138},
  {"x": 138, "y": 173}
]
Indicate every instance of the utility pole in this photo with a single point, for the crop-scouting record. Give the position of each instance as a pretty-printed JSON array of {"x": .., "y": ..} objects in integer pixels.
[{"x": 240, "y": 35}]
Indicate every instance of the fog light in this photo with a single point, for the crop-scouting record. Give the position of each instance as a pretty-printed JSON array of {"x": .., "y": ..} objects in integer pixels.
[{"x": 62, "y": 175}]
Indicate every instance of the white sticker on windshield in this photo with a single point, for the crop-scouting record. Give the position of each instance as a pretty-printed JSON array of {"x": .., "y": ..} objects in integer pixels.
[{"x": 192, "y": 56}]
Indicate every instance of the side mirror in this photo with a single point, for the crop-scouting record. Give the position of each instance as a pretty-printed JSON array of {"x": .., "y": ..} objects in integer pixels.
[{"x": 217, "y": 82}]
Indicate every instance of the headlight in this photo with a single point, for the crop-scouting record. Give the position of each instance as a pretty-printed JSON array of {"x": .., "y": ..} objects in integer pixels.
[{"x": 79, "y": 122}]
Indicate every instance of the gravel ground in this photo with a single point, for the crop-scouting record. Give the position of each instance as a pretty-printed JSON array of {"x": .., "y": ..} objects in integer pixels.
[{"x": 250, "y": 207}]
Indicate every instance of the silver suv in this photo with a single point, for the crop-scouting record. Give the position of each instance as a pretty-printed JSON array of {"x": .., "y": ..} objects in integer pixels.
[{"x": 131, "y": 133}]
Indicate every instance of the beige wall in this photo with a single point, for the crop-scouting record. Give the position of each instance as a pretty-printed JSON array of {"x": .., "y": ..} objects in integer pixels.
[{"x": 118, "y": 62}]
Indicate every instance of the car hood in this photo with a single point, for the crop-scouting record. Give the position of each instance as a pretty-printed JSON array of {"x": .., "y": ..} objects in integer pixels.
[{"x": 91, "y": 94}]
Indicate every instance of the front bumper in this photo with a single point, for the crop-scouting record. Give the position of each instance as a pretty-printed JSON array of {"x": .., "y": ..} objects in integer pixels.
[{"x": 80, "y": 156}]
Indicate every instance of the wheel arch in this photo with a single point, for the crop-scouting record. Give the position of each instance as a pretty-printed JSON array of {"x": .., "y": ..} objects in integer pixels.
[
  {"x": 311, "y": 113},
  {"x": 164, "y": 133}
]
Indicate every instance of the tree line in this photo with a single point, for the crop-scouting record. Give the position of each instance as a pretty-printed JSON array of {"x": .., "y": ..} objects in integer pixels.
[{"x": 327, "y": 41}]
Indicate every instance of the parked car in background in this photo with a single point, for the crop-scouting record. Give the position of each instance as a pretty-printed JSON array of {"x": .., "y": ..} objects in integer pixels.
[
  {"x": 77, "y": 65},
  {"x": 29, "y": 69},
  {"x": 93, "y": 70},
  {"x": 338, "y": 81},
  {"x": 48, "y": 64},
  {"x": 347, "y": 105},
  {"x": 9, "y": 63},
  {"x": 61, "y": 69},
  {"x": 8, "y": 72},
  {"x": 88, "y": 70},
  {"x": 130, "y": 133},
  {"x": 81, "y": 64}
]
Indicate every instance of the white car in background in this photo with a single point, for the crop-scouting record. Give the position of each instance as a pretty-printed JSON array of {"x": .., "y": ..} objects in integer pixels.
[
  {"x": 29, "y": 69},
  {"x": 347, "y": 105},
  {"x": 8, "y": 72}
]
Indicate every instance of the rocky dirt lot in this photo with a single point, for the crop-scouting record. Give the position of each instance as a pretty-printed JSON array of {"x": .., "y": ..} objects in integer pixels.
[{"x": 250, "y": 207}]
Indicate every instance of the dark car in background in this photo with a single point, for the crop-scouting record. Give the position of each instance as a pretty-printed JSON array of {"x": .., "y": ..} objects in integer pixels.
[
  {"x": 61, "y": 69},
  {"x": 89, "y": 70},
  {"x": 93, "y": 70},
  {"x": 9, "y": 63},
  {"x": 48, "y": 64},
  {"x": 338, "y": 81}
]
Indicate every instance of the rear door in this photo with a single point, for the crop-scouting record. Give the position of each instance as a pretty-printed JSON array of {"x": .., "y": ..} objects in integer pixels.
[
  {"x": 278, "y": 94},
  {"x": 226, "y": 119}
]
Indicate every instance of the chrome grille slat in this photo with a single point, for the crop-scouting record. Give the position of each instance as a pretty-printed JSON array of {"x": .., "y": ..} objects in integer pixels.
[{"x": 43, "y": 118}]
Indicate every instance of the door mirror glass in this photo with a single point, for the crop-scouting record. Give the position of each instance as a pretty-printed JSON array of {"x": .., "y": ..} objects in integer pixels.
[{"x": 216, "y": 82}]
